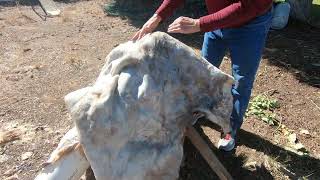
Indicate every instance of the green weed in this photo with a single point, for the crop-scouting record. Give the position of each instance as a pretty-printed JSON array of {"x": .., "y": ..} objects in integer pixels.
[{"x": 263, "y": 108}]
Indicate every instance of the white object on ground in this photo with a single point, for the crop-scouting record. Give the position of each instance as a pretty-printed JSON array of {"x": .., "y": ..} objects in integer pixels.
[
  {"x": 26, "y": 155},
  {"x": 50, "y": 7},
  {"x": 71, "y": 166}
]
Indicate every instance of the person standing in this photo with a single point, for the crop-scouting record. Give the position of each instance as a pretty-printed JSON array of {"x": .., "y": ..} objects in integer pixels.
[{"x": 239, "y": 26}]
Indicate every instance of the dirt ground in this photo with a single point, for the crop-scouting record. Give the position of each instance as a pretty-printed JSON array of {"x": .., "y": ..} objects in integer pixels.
[{"x": 43, "y": 60}]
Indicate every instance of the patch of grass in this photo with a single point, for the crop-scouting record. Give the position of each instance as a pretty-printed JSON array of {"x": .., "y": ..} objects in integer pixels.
[{"x": 263, "y": 108}]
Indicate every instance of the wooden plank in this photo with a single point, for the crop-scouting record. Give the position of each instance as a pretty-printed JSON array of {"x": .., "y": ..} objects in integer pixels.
[
  {"x": 207, "y": 154},
  {"x": 50, "y": 7}
]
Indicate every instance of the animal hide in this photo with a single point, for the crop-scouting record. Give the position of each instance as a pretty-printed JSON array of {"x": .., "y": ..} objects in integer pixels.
[{"x": 131, "y": 121}]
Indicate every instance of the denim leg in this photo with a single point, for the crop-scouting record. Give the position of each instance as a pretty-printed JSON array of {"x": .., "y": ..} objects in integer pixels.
[
  {"x": 246, "y": 45},
  {"x": 213, "y": 48}
]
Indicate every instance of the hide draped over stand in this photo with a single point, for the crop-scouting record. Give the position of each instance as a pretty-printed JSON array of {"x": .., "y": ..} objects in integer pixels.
[{"x": 131, "y": 122}]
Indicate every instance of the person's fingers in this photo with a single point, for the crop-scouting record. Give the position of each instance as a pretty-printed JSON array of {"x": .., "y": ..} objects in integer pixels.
[
  {"x": 143, "y": 33},
  {"x": 175, "y": 22},
  {"x": 172, "y": 24},
  {"x": 148, "y": 27},
  {"x": 179, "y": 28},
  {"x": 138, "y": 35},
  {"x": 182, "y": 29},
  {"x": 175, "y": 26},
  {"x": 135, "y": 36},
  {"x": 182, "y": 23},
  {"x": 179, "y": 23},
  {"x": 175, "y": 30}
]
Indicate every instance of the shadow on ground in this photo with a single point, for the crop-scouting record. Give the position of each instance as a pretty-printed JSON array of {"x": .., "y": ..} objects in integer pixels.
[
  {"x": 195, "y": 166},
  {"x": 33, "y": 4},
  {"x": 10, "y": 3}
]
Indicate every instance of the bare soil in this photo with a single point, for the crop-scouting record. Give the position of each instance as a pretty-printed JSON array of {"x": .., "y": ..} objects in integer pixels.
[{"x": 43, "y": 60}]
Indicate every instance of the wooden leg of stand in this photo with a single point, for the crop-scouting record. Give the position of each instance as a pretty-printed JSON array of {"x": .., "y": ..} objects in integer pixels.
[{"x": 207, "y": 154}]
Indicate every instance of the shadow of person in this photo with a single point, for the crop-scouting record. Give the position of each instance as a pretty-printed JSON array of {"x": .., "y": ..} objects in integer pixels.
[
  {"x": 291, "y": 164},
  {"x": 11, "y": 3}
]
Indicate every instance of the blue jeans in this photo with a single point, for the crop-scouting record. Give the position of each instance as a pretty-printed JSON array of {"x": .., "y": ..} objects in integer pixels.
[{"x": 245, "y": 45}]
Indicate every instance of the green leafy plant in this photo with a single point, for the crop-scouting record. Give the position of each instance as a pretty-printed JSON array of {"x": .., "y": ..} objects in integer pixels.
[{"x": 263, "y": 108}]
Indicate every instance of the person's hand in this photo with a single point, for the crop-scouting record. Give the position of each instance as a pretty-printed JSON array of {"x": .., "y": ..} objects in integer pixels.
[
  {"x": 184, "y": 25},
  {"x": 148, "y": 27}
]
